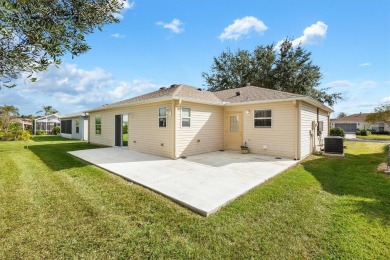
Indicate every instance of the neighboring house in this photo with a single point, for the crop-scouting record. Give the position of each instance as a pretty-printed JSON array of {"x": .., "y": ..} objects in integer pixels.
[
  {"x": 181, "y": 120},
  {"x": 355, "y": 122},
  {"x": 46, "y": 123},
  {"x": 25, "y": 122},
  {"x": 75, "y": 126}
]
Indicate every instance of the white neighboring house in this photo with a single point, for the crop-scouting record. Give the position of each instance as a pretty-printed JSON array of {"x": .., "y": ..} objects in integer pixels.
[
  {"x": 355, "y": 122},
  {"x": 46, "y": 123},
  {"x": 75, "y": 126}
]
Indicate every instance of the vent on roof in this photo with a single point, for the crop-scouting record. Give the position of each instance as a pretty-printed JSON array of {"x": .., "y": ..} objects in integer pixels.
[
  {"x": 248, "y": 84},
  {"x": 162, "y": 88},
  {"x": 174, "y": 85},
  {"x": 199, "y": 89},
  {"x": 238, "y": 93}
]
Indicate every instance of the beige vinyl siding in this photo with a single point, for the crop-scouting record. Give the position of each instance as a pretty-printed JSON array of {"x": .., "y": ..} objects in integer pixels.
[
  {"x": 278, "y": 140},
  {"x": 144, "y": 133},
  {"x": 310, "y": 141},
  {"x": 205, "y": 133}
]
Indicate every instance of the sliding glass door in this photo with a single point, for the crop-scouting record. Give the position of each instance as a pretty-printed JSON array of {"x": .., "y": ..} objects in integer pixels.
[{"x": 121, "y": 130}]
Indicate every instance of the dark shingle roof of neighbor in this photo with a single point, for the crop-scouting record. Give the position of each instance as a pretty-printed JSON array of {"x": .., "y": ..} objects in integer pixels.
[
  {"x": 237, "y": 95},
  {"x": 361, "y": 117}
]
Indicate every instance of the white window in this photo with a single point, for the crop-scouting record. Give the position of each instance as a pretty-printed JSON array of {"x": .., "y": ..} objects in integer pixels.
[
  {"x": 186, "y": 117},
  {"x": 98, "y": 124},
  {"x": 162, "y": 117},
  {"x": 263, "y": 118}
]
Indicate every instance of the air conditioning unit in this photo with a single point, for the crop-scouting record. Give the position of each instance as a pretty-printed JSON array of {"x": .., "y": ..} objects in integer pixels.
[{"x": 334, "y": 145}]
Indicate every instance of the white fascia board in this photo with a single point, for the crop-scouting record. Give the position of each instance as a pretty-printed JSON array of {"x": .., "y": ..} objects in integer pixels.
[{"x": 154, "y": 100}]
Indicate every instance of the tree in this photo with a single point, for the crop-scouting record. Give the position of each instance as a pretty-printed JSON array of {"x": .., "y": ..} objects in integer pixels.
[
  {"x": 282, "y": 68},
  {"x": 381, "y": 114},
  {"x": 36, "y": 33},
  {"x": 49, "y": 110},
  {"x": 7, "y": 113},
  {"x": 341, "y": 114}
]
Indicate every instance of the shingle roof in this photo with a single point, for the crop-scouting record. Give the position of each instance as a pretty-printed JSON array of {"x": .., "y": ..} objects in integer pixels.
[
  {"x": 361, "y": 117},
  {"x": 233, "y": 96},
  {"x": 252, "y": 93}
]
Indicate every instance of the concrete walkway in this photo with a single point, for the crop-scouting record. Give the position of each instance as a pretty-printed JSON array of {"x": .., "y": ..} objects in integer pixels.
[{"x": 203, "y": 183}]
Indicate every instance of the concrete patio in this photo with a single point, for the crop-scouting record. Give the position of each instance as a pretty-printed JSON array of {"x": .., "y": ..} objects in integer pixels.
[{"x": 204, "y": 183}]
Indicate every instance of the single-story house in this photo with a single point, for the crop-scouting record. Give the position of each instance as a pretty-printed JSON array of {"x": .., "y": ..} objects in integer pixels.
[
  {"x": 25, "y": 122},
  {"x": 355, "y": 122},
  {"x": 182, "y": 120},
  {"x": 46, "y": 123},
  {"x": 74, "y": 126}
]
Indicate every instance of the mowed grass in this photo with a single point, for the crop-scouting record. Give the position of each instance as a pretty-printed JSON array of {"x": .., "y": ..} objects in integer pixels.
[
  {"x": 56, "y": 206},
  {"x": 375, "y": 137}
]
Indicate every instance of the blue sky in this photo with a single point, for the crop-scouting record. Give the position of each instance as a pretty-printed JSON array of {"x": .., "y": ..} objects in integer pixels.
[{"x": 159, "y": 43}]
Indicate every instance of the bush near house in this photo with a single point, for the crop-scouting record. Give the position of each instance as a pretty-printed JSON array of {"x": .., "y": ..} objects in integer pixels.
[
  {"x": 363, "y": 132},
  {"x": 380, "y": 133},
  {"x": 40, "y": 132},
  {"x": 56, "y": 130},
  {"x": 14, "y": 133},
  {"x": 337, "y": 132}
]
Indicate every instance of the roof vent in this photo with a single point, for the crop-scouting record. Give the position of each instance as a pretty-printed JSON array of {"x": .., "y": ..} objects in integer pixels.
[
  {"x": 199, "y": 89},
  {"x": 248, "y": 84},
  {"x": 162, "y": 88},
  {"x": 174, "y": 85},
  {"x": 238, "y": 93}
]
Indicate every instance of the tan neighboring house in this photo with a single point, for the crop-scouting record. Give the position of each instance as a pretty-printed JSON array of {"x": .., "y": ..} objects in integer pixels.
[
  {"x": 25, "y": 122},
  {"x": 182, "y": 120},
  {"x": 355, "y": 122}
]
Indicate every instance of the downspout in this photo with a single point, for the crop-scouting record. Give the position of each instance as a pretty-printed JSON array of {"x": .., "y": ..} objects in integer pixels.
[
  {"x": 173, "y": 116},
  {"x": 299, "y": 130}
]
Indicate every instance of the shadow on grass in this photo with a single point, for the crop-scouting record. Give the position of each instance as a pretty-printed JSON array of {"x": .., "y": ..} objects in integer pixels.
[
  {"x": 50, "y": 138},
  {"x": 56, "y": 156},
  {"x": 356, "y": 175}
]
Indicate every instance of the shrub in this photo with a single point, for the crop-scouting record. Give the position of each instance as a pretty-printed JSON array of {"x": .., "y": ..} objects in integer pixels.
[
  {"x": 337, "y": 132},
  {"x": 14, "y": 133},
  {"x": 365, "y": 133},
  {"x": 56, "y": 130},
  {"x": 380, "y": 133},
  {"x": 358, "y": 132},
  {"x": 41, "y": 132}
]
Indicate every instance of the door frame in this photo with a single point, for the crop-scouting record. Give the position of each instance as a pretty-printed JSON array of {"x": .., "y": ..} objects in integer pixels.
[
  {"x": 227, "y": 128},
  {"x": 118, "y": 130}
]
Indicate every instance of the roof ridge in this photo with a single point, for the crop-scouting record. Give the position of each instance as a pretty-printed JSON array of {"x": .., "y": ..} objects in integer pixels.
[{"x": 178, "y": 87}]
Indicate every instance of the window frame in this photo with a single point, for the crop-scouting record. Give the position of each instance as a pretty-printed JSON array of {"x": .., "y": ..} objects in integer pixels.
[
  {"x": 262, "y": 118},
  {"x": 98, "y": 124},
  {"x": 77, "y": 125},
  {"x": 189, "y": 117},
  {"x": 162, "y": 117}
]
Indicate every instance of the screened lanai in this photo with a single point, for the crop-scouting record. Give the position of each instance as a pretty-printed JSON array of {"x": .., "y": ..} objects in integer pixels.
[{"x": 47, "y": 123}]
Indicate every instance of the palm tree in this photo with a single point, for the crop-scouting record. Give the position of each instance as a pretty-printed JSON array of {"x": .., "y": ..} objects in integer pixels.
[
  {"x": 6, "y": 114},
  {"x": 49, "y": 110}
]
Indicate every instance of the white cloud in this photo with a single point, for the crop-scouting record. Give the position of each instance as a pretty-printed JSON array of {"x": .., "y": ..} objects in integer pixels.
[
  {"x": 386, "y": 100},
  {"x": 126, "y": 6},
  {"x": 117, "y": 35},
  {"x": 175, "y": 26},
  {"x": 365, "y": 64},
  {"x": 368, "y": 84},
  {"x": 242, "y": 27},
  {"x": 68, "y": 88},
  {"x": 313, "y": 34},
  {"x": 340, "y": 83}
]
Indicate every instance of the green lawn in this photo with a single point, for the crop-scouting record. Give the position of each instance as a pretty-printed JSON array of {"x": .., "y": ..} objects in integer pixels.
[
  {"x": 375, "y": 137},
  {"x": 53, "y": 205}
]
